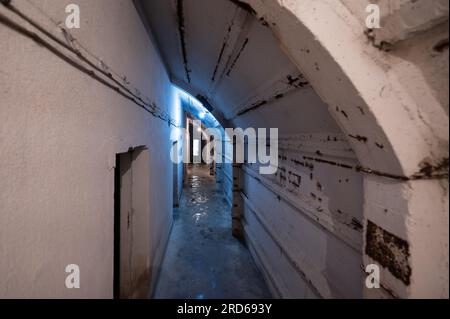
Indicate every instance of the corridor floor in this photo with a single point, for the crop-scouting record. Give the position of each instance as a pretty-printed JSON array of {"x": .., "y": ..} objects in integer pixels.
[{"x": 203, "y": 260}]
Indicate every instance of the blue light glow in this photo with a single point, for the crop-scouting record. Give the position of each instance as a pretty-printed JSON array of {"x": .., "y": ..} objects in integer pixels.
[{"x": 196, "y": 108}]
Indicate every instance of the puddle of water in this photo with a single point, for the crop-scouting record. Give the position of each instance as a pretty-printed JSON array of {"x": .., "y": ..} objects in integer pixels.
[
  {"x": 198, "y": 216},
  {"x": 201, "y": 199}
]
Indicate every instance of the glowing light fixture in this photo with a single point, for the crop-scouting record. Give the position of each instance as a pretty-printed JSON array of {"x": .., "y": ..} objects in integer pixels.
[
  {"x": 198, "y": 106},
  {"x": 196, "y": 148}
]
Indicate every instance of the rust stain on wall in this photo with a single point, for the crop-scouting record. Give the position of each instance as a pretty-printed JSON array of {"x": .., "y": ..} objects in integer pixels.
[{"x": 389, "y": 251}]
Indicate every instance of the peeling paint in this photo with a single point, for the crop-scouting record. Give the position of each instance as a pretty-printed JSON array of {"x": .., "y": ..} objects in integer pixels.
[
  {"x": 379, "y": 145},
  {"x": 182, "y": 31},
  {"x": 389, "y": 251},
  {"x": 244, "y": 45},
  {"x": 222, "y": 51},
  {"x": 294, "y": 84},
  {"x": 359, "y": 138},
  {"x": 428, "y": 170},
  {"x": 344, "y": 113},
  {"x": 441, "y": 46},
  {"x": 244, "y": 6}
]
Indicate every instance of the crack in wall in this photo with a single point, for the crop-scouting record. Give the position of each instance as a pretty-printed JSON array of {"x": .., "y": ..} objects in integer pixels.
[
  {"x": 427, "y": 172},
  {"x": 294, "y": 84},
  {"x": 233, "y": 64},
  {"x": 182, "y": 32},
  {"x": 243, "y": 28}
]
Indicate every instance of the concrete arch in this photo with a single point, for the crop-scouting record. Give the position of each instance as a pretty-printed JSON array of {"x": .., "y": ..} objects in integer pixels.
[
  {"x": 354, "y": 77},
  {"x": 383, "y": 118}
]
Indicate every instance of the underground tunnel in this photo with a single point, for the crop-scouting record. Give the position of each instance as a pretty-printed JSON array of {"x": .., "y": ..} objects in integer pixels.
[{"x": 128, "y": 150}]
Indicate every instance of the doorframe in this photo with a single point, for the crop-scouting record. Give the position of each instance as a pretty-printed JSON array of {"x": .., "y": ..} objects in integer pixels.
[{"x": 136, "y": 184}]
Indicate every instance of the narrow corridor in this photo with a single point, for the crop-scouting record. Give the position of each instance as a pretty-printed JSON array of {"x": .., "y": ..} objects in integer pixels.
[
  {"x": 203, "y": 260},
  {"x": 327, "y": 122}
]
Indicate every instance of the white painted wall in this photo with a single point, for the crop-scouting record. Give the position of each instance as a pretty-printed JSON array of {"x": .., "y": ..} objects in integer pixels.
[
  {"x": 261, "y": 72},
  {"x": 60, "y": 132},
  {"x": 304, "y": 224},
  {"x": 389, "y": 111},
  {"x": 396, "y": 99}
]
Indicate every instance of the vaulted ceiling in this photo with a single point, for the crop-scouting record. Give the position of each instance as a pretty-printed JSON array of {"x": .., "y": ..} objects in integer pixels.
[{"x": 221, "y": 51}]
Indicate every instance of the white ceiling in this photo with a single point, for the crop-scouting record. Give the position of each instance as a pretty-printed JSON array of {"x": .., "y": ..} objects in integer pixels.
[{"x": 233, "y": 59}]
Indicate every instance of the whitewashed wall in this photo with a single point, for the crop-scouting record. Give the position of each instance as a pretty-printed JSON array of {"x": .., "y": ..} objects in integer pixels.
[{"x": 60, "y": 132}]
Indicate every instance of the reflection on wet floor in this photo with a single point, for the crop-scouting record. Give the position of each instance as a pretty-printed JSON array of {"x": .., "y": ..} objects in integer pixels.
[{"x": 203, "y": 260}]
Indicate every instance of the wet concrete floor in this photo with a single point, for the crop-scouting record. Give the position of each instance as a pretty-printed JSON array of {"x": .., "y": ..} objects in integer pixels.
[{"x": 203, "y": 260}]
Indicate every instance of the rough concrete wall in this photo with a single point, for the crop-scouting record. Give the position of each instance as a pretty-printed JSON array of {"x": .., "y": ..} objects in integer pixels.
[
  {"x": 60, "y": 132},
  {"x": 297, "y": 221},
  {"x": 416, "y": 31},
  {"x": 300, "y": 222},
  {"x": 398, "y": 126},
  {"x": 414, "y": 35},
  {"x": 310, "y": 213}
]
